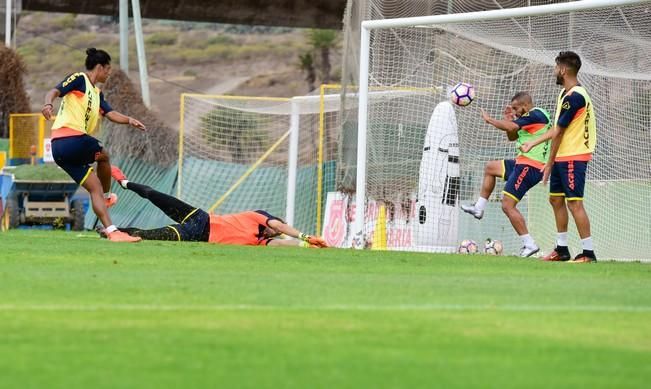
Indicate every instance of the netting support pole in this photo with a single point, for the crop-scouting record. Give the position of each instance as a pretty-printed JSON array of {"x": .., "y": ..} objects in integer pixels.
[
  {"x": 179, "y": 177},
  {"x": 8, "y": 23},
  {"x": 142, "y": 59},
  {"x": 124, "y": 36},
  {"x": 360, "y": 192},
  {"x": 293, "y": 162}
]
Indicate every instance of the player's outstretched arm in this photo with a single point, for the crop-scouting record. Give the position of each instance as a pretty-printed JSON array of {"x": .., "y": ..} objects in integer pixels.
[
  {"x": 117, "y": 117},
  {"x": 543, "y": 138},
  {"x": 288, "y": 230},
  {"x": 504, "y": 125},
  {"x": 48, "y": 108}
]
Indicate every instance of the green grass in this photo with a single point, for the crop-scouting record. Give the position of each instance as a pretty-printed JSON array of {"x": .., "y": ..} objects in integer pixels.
[
  {"x": 44, "y": 172},
  {"x": 80, "y": 312}
]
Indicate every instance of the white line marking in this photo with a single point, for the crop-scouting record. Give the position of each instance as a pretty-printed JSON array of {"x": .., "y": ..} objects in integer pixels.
[{"x": 336, "y": 307}]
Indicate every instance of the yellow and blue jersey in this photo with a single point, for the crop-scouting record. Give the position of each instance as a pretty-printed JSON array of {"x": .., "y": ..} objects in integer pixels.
[
  {"x": 81, "y": 106},
  {"x": 575, "y": 113}
]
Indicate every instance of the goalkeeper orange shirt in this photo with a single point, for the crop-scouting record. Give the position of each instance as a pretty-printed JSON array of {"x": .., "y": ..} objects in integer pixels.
[{"x": 245, "y": 228}]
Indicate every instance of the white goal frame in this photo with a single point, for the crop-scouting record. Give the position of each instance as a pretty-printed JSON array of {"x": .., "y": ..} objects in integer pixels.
[{"x": 424, "y": 21}]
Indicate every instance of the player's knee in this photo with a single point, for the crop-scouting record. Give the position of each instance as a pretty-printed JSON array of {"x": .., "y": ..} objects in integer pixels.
[
  {"x": 102, "y": 156},
  {"x": 508, "y": 206},
  {"x": 556, "y": 201},
  {"x": 575, "y": 206}
]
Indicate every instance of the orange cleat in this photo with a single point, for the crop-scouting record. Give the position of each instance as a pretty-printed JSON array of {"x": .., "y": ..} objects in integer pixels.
[
  {"x": 119, "y": 236},
  {"x": 558, "y": 255},
  {"x": 111, "y": 201},
  {"x": 117, "y": 174},
  {"x": 583, "y": 258}
]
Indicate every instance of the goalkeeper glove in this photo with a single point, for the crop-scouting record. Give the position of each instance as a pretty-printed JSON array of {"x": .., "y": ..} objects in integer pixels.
[{"x": 313, "y": 241}]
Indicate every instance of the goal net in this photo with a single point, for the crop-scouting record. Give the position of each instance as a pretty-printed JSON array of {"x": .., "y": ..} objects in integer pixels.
[
  {"x": 418, "y": 160},
  {"x": 239, "y": 153}
]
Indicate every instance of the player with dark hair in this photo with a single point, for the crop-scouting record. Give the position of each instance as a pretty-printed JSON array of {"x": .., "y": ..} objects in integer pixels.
[
  {"x": 573, "y": 141},
  {"x": 74, "y": 150},
  {"x": 196, "y": 225},
  {"x": 523, "y": 122}
]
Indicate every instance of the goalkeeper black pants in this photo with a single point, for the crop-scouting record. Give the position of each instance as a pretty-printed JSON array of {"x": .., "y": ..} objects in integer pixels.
[{"x": 193, "y": 223}]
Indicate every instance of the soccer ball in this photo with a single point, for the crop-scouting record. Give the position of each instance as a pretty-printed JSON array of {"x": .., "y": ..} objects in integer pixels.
[
  {"x": 467, "y": 246},
  {"x": 462, "y": 94},
  {"x": 493, "y": 247}
]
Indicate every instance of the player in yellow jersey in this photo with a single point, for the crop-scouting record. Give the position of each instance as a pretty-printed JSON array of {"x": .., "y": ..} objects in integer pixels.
[
  {"x": 573, "y": 141},
  {"x": 73, "y": 148}
]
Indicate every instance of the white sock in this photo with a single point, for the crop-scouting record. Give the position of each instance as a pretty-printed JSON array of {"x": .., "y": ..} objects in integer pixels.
[
  {"x": 123, "y": 183},
  {"x": 481, "y": 203},
  {"x": 111, "y": 228},
  {"x": 107, "y": 195},
  {"x": 587, "y": 243},
  {"x": 561, "y": 239},
  {"x": 527, "y": 241}
]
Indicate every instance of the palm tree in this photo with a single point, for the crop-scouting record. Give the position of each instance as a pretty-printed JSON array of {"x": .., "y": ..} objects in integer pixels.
[
  {"x": 323, "y": 41},
  {"x": 306, "y": 64}
]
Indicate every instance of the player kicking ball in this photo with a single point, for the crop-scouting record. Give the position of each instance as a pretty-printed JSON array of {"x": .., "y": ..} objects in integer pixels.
[
  {"x": 256, "y": 228},
  {"x": 522, "y": 123}
]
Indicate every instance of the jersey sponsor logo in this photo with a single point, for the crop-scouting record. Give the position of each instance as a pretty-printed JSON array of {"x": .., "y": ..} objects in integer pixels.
[
  {"x": 89, "y": 109},
  {"x": 566, "y": 105},
  {"x": 69, "y": 80},
  {"x": 524, "y": 115},
  {"x": 586, "y": 126},
  {"x": 570, "y": 174},
  {"x": 523, "y": 174}
]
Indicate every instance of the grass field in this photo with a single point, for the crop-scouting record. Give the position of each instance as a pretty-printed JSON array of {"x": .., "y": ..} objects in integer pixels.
[{"x": 83, "y": 313}]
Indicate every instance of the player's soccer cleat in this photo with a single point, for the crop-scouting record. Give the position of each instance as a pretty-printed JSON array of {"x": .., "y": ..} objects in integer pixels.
[
  {"x": 117, "y": 174},
  {"x": 111, "y": 201},
  {"x": 584, "y": 258},
  {"x": 526, "y": 252},
  {"x": 119, "y": 236},
  {"x": 471, "y": 209},
  {"x": 558, "y": 254}
]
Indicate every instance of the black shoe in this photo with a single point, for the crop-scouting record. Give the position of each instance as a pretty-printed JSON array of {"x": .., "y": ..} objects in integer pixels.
[
  {"x": 560, "y": 253},
  {"x": 586, "y": 256}
]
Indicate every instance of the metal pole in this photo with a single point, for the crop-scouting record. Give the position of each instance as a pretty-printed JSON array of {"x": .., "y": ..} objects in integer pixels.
[
  {"x": 293, "y": 162},
  {"x": 8, "y": 23},
  {"x": 362, "y": 120},
  {"x": 124, "y": 36},
  {"x": 142, "y": 59}
]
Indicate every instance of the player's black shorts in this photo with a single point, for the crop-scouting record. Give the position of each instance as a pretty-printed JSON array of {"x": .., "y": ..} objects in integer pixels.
[
  {"x": 194, "y": 228},
  {"x": 507, "y": 168},
  {"x": 74, "y": 154},
  {"x": 523, "y": 178},
  {"x": 568, "y": 179}
]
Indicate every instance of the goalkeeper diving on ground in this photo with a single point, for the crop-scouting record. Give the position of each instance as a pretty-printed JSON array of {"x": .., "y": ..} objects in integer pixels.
[{"x": 255, "y": 228}]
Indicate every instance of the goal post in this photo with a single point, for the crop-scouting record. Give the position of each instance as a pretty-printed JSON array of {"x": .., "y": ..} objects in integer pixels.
[
  {"x": 502, "y": 52},
  {"x": 239, "y": 153}
]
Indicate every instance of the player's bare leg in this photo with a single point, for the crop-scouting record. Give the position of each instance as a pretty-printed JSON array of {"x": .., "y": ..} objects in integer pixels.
[
  {"x": 492, "y": 170},
  {"x": 561, "y": 252},
  {"x": 94, "y": 187},
  {"x": 582, "y": 221},
  {"x": 509, "y": 206},
  {"x": 104, "y": 175}
]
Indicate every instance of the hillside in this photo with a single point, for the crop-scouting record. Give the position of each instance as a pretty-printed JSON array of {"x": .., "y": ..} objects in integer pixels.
[{"x": 183, "y": 57}]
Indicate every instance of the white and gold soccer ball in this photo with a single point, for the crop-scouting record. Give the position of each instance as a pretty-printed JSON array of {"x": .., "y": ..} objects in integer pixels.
[
  {"x": 493, "y": 247},
  {"x": 467, "y": 246}
]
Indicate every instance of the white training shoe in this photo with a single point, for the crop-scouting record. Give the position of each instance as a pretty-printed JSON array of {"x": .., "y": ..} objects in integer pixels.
[
  {"x": 526, "y": 252},
  {"x": 471, "y": 209}
]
